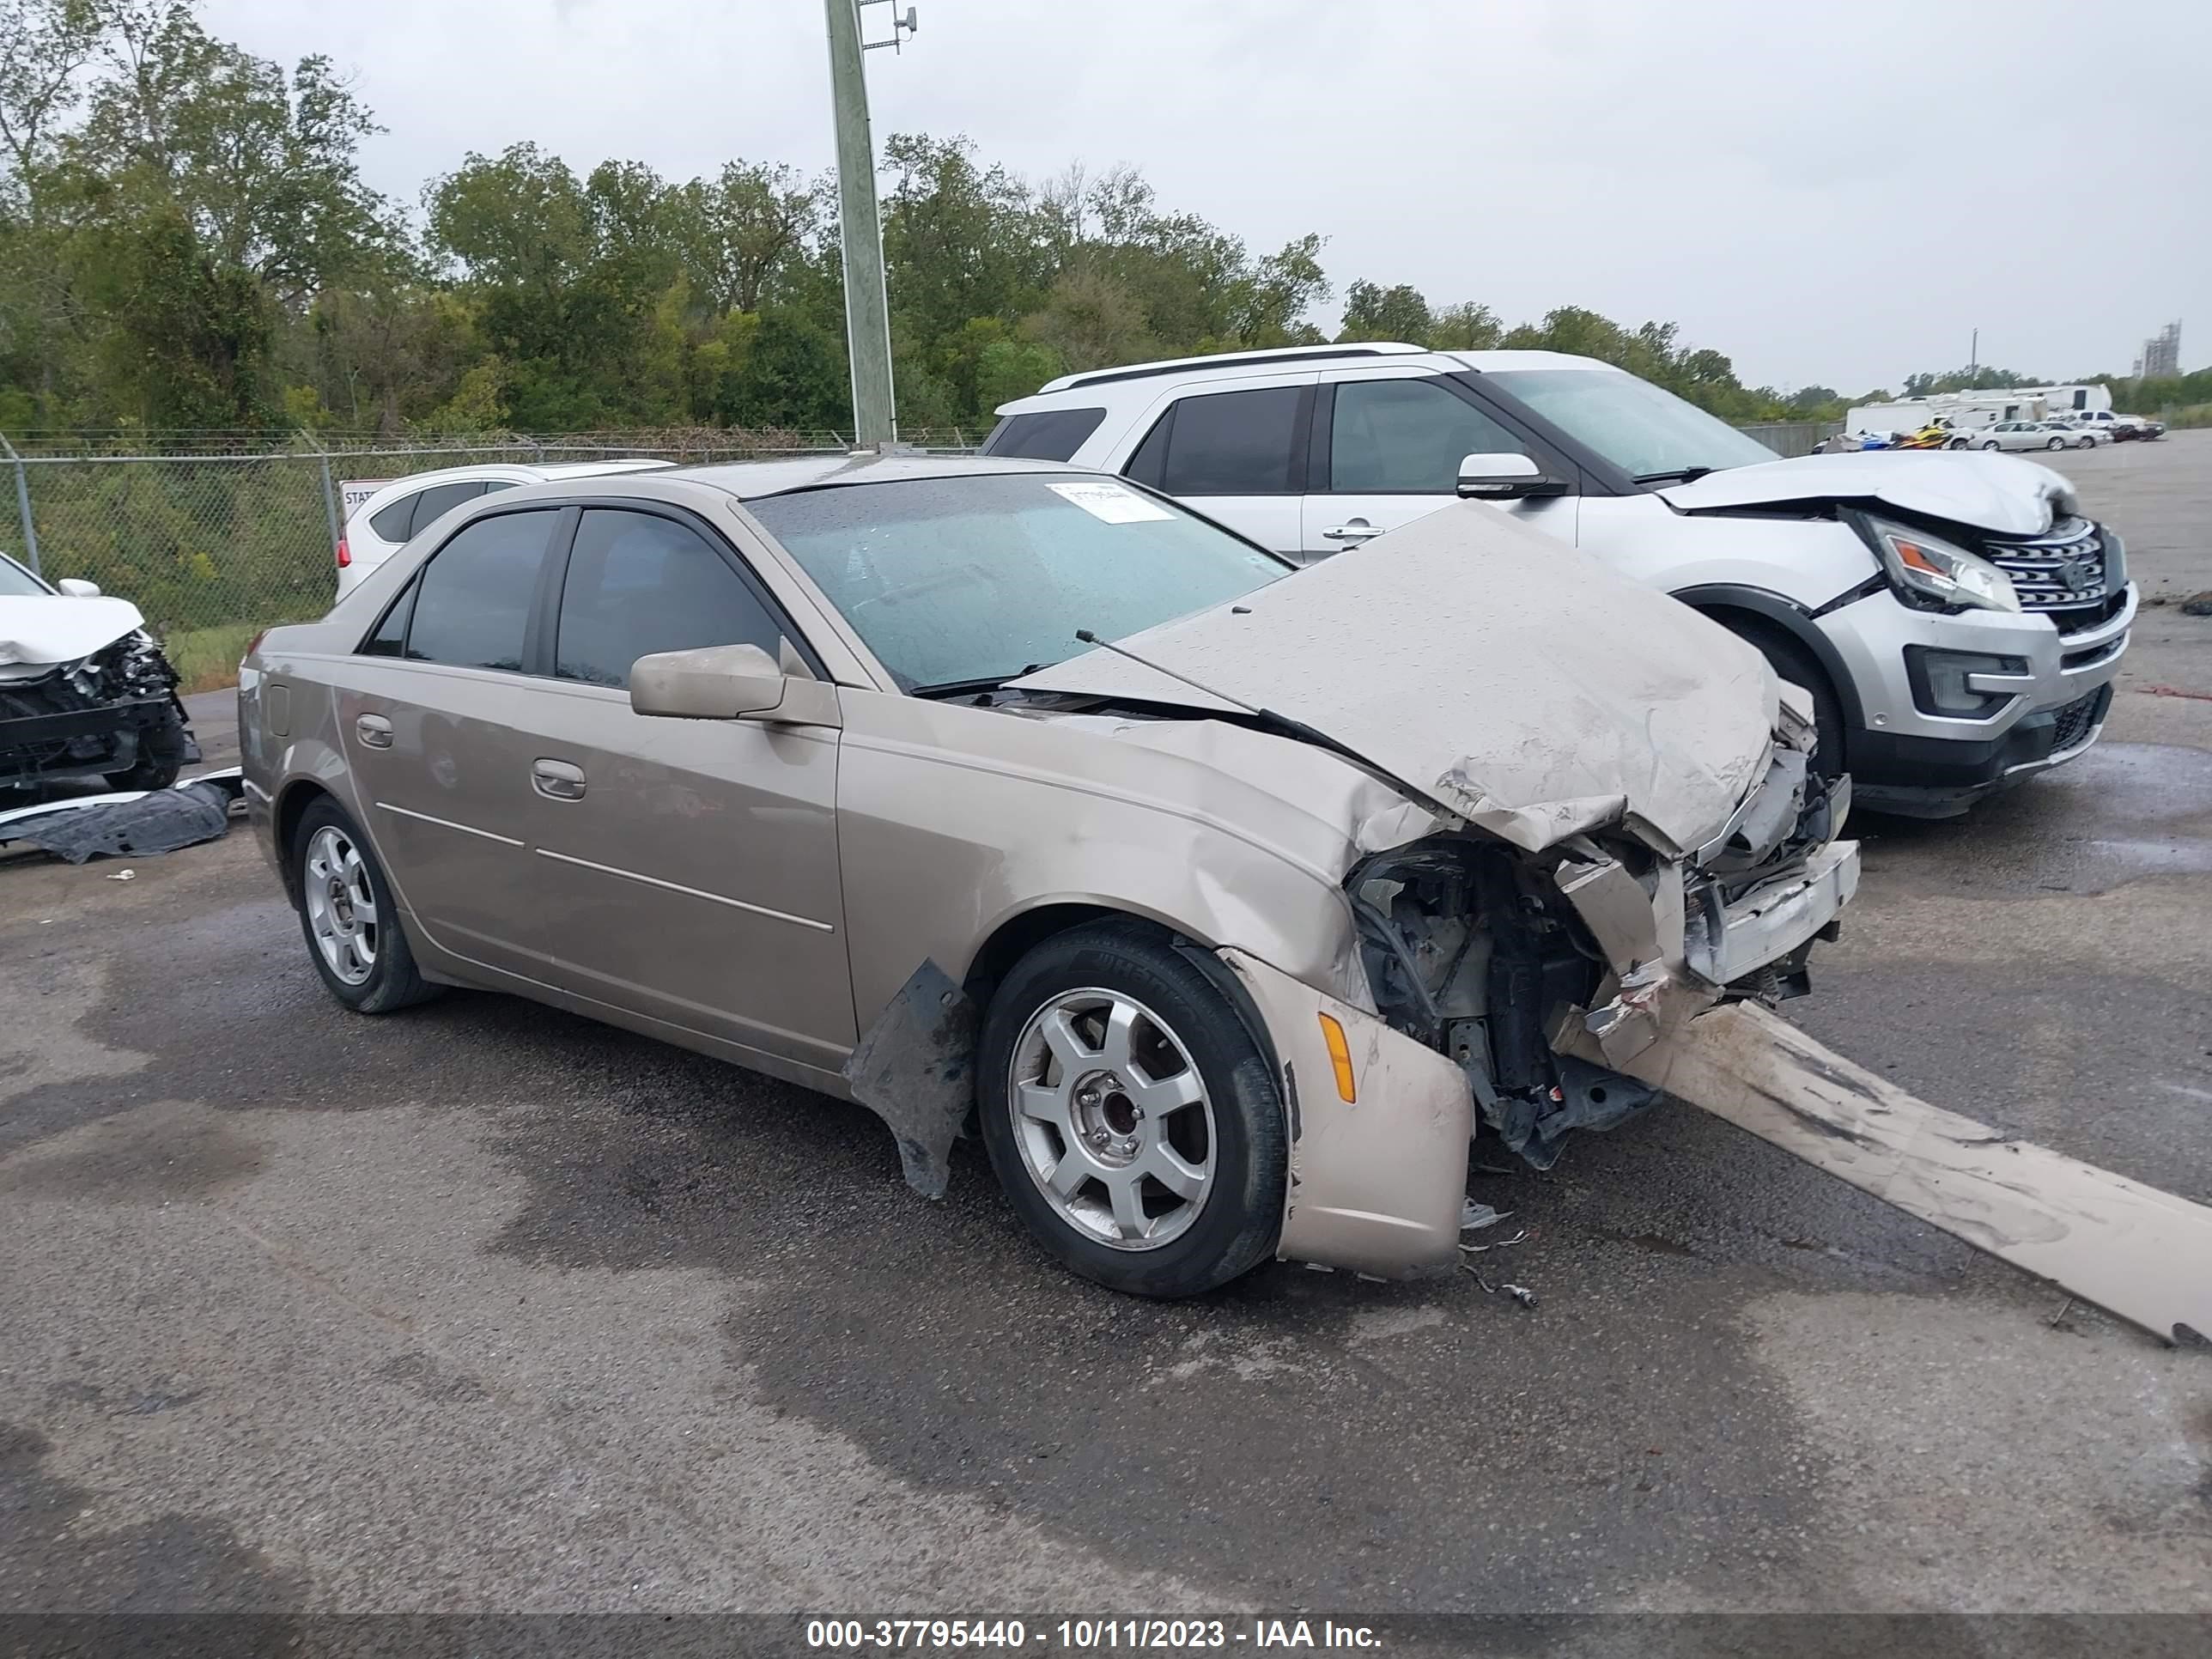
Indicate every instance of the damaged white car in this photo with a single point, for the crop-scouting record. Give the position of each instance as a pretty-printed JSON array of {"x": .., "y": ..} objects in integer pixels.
[
  {"x": 1229, "y": 931},
  {"x": 85, "y": 692}
]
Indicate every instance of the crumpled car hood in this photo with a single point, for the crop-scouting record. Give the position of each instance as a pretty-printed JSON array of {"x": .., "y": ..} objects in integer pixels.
[
  {"x": 46, "y": 629},
  {"x": 1509, "y": 679},
  {"x": 1995, "y": 492}
]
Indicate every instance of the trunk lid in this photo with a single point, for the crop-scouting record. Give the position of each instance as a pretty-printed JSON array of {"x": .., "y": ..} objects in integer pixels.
[{"x": 1499, "y": 674}]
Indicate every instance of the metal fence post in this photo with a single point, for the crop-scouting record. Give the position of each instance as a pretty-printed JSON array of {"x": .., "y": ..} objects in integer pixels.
[
  {"x": 23, "y": 506},
  {"x": 330, "y": 492}
]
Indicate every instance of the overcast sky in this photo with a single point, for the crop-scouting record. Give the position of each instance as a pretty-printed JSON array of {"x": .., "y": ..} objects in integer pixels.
[{"x": 1834, "y": 193}]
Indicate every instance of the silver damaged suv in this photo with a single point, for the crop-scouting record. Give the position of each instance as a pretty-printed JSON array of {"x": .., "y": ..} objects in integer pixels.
[{"x": 1957, "y": 619}]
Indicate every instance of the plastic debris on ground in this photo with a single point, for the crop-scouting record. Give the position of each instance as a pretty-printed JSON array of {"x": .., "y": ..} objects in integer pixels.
[
  {"x": 131, "y": 824},
  {"x": 1472, "y": 1216}
]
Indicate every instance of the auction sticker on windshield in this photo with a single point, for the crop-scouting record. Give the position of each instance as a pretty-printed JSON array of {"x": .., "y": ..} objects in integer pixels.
[{"x": 1111, "y": 503}]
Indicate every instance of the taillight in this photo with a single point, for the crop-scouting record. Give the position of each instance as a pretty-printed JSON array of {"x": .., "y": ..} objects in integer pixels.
[
  {"x": 254, "y": 644},
  {"x": 345, "y": 557}
]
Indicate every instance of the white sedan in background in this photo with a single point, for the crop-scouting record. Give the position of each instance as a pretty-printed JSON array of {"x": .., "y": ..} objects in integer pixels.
[
  {"x": 2022, "y": 435},
  {"x": 386, "y": 520},
  {"x": 2081, "y": 433}
]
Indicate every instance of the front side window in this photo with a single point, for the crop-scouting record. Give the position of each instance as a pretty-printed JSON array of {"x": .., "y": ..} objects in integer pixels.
[
  {"x": 637, "y": 583},
  {"x": 1051, "y": 434},
  {"x": 472, "y": 600},
  {"x": 1647, "y": 432},
  {"x": 964, "y": 581},
  {"x": 1406, "y": 438},
  {"x": 1234, "y": 443}
]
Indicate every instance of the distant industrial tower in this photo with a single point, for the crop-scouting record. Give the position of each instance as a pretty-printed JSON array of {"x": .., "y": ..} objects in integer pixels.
[{"x": 2161, "y": 355}]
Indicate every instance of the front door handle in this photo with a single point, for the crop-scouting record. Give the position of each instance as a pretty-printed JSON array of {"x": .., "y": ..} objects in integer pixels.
[
  {"x": 1352, "y": 531},
  {"x": 557, "y": 780},
  {"x": 374, "y": 731}
]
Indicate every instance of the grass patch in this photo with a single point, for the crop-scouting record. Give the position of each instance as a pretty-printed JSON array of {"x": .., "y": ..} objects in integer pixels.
[{"x": 206, "y": 659}]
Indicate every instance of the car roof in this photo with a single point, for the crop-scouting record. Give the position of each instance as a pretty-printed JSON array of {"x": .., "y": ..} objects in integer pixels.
[
  {"x": 750, "y": 481},
  {"x": 535, "y": 470},
  {"x": 1149, "y": 381}
]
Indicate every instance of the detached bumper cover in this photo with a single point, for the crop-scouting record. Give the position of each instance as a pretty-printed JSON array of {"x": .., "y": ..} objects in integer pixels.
[
  {"x": 1767, "y": 924},
  {"x": 1376, "y": 1182}
]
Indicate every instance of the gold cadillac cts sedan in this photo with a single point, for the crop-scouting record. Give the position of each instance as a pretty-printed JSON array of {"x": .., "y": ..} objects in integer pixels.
[{"x": 1227, "y": 901}]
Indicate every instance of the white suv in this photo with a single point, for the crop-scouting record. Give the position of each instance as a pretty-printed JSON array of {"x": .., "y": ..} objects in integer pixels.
[
  {"x": 387, "y": 520},
  {"x": 1957, "y": 620}
]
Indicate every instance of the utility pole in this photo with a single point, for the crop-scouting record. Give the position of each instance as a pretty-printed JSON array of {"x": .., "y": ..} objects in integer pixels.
[
  {"x": 860, "y": 233},
  {"x": 1974, "y": 360}
]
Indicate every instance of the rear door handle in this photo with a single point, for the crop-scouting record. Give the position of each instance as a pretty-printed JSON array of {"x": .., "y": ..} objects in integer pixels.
[
  {"x": 1352, "y": 531},
  {"x": 557, "y": 780},
  {"x": 374, "y": 731}
]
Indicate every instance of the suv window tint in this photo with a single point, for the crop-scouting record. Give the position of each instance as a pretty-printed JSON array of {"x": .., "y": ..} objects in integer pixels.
[
  {"x": 638, "y": 584},
  {"x": 1234, "y": 443},
  {"x": 1150, "y": 460},
  {"x": 1406, "y": 438},
  {"x": 391, "y": 635},
  {"x": 439, "y": 500},
  {"x": 390, "y": 522},
  {"x": 1053, "y": 435},
  {"x": 473, "y": 606}
]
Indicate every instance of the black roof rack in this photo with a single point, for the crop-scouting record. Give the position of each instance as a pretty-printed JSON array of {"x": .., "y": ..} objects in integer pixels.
[{"x": 1185, "y": 365}]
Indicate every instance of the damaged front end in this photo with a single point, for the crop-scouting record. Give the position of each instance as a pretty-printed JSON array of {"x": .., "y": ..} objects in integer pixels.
[
  {"x": 112, "y": 714},
  {"x": 1543, "y": 974}
]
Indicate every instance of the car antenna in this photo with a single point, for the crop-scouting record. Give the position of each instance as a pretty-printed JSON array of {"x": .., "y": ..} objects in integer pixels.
[
  {"x": 1282, "y": 725},
  {"x": 1090, "y": 638}
]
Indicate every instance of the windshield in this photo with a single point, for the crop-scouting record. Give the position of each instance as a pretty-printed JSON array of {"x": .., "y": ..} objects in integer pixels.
[
  {"x": 974, "y": 579},
  {"x": 16, "y": 583},
  {"x": 1649, "y": 434}
]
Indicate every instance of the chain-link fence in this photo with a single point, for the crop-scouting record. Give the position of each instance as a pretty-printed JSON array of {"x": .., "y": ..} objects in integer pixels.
[
  {"x": 241, "y": 533},
  {"x": 212, "y": 547},
  {"x": 1794, "y": 437}
]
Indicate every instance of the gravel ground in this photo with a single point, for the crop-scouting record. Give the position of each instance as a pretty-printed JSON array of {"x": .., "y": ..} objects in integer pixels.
[{"x": 485, "y": 1307}]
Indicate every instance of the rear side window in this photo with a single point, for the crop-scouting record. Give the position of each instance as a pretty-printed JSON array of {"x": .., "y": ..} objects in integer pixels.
[
  {"x": 473, "y": 603},
  {"x": 389, "y": 639},
  {"x": 409, "y": 513},
  {"x": 1406, "y": 438},
  {"x": 1053, "y": 435},
  {"x": 638, "y": 584},
  {"x": 390, "y": 522},
  {"x": 1234, "y": 443}
]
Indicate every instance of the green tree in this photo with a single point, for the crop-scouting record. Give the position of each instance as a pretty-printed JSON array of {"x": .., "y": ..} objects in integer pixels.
[{"x": 1371, "y": 313}]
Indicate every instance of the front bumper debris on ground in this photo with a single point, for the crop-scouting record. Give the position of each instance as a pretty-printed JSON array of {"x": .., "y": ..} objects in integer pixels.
[
  {"x": 2143, "y": 1255},
  {"x": 129, "y": 824}
]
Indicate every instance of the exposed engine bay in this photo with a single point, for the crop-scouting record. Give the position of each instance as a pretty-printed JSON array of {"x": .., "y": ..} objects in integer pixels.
[
  {"x": 1489, "y": 955},
  {"x": 114, "y": 715}
]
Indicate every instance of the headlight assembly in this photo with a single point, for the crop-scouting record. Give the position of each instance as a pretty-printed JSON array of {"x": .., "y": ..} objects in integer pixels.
[{"x": 1919, "y": 563}]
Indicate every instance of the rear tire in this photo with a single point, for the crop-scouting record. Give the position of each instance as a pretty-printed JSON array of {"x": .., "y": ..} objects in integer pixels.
[
  {"x": 2056, "y": 443},
  {"x": 350, "y": 916},
  {"x": 1109, "y": 1059},
  {"x": 1793, "y": 663},
  {"x": 161, "y": 755}
]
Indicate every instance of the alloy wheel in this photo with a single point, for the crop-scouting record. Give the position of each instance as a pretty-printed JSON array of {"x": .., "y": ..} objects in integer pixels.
[
  {"x": 342, "y": 911},
  {"x": 1113, "y": 1120}
]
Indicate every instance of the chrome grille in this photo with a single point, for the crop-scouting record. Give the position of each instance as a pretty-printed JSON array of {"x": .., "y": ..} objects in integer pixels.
[{"x": 2058, "y": 571}]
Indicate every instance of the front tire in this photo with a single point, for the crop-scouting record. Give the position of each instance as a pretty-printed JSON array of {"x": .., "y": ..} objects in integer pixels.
[
  {"x": 161, "y": 755},
  {"x": 2056, "y": 443},
  {"x": 1993, "y": 444},
  {"x": 350, "y": 916},
  {"x": 1130, "y": 1117}
]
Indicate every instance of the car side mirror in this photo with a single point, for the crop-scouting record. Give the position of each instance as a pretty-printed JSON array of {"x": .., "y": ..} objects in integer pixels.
[
  {"x": 1504, "y": 476},
  {"x": 718, "y": 683},
  {"x": 77, "y": 588}
]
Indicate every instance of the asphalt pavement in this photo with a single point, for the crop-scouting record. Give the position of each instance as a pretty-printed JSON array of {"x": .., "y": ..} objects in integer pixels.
[{"x": 483, "y": 1307}]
